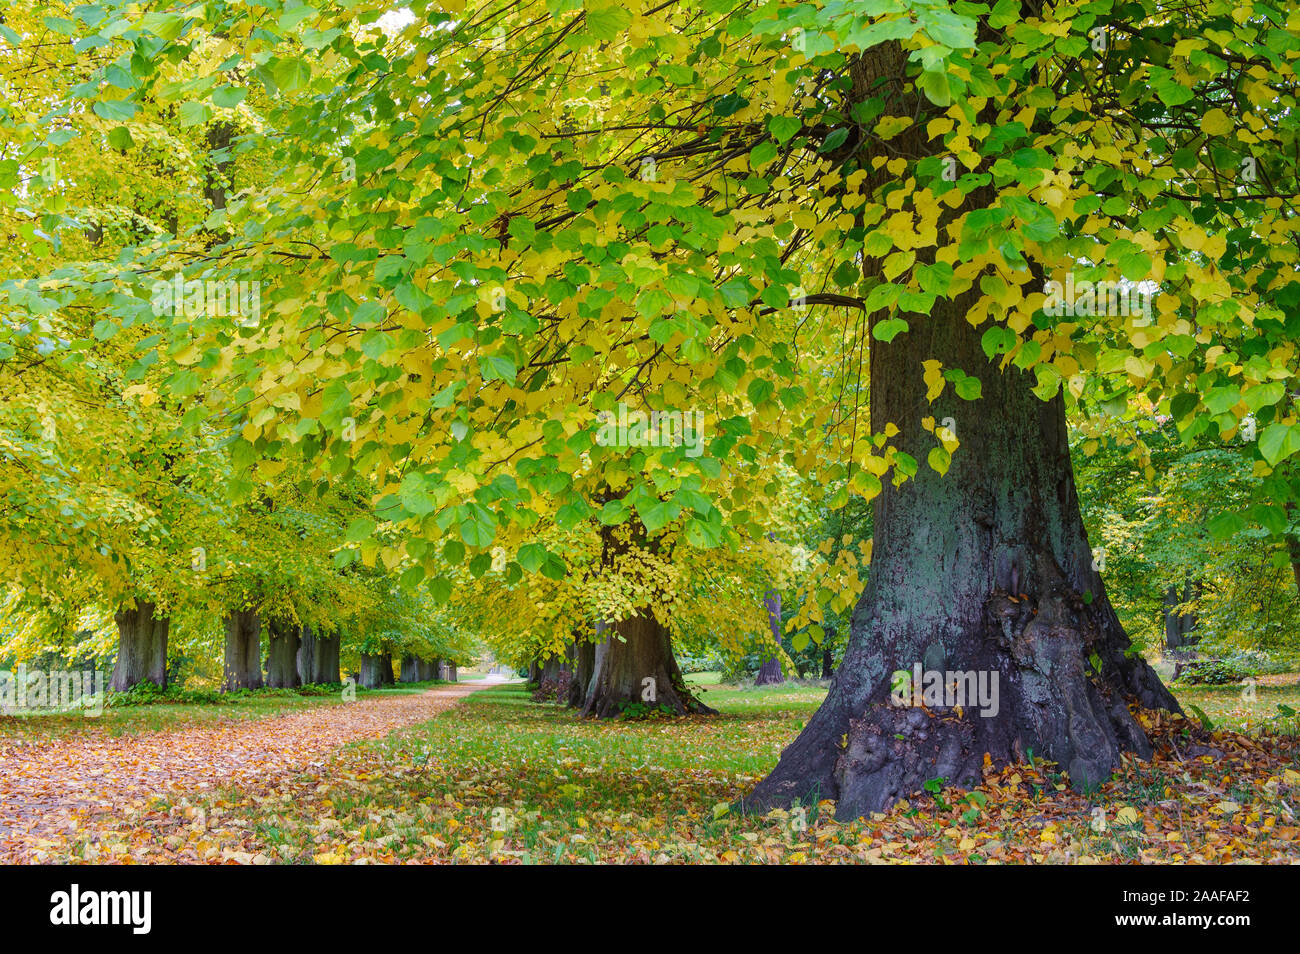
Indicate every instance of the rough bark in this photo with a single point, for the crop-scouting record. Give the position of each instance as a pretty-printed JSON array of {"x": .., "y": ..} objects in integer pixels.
[
  {"x": 984, "y": 569},
  {"x": 414, "y": 669},
  {"x": 584, "y": 666},
  {"x": 318, "y": 658},
  {"x": 243, "y": 662},
  {"x": 142, "y": 647},
  {"x": 376, "y": 671},
  {"x": 635, "y": 662},
  {"x": 451, "y": 672},
  {"x": 769, "y": 674},
  {"x": 987, "y": 568},
  {"x": 1179, "y": 627},
  {"x": 282, "y": 656}
]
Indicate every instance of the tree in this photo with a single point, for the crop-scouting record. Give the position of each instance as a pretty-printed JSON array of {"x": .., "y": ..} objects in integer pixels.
[
  {"x": 996, "y": 215},
  {"x": 142, "y": 649},
  {"x": 769, "y": 674},
  {"x": 318, "y": 656}
]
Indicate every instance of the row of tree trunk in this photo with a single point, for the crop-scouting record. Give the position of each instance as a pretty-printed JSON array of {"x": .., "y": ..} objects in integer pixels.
[
  {"x": 415, "y": 669},
  {"x": 295, "y": 656},
  {"x": 377, "y": 670}
]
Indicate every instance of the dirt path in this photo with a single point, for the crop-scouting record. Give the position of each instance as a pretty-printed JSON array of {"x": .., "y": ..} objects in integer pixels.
[{"x": 49, "y": 788}]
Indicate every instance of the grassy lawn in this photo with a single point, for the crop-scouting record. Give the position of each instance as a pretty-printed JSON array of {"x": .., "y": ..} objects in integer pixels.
[
  {"x": 133, "y": 719},
  {"x": 503, "y": 779},
  {"x": 1228, "y": 709}
]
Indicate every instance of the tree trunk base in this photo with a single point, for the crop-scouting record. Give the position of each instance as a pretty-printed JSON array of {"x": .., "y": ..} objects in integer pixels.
[
  {"x": 639, "y": 670},
  {"x": 318, "y": 658},
  {"x": 243, "y": 662},
  {"x": 376, "y": 670},
  {"x": 556, "y": 676},
  {"x": 282, "y": 657},
  {"x": 769, "y": 674},
  {"x": 1047, "y": 703},
  {"x": 142, "y": 648},
  {"x": 584, "y": 665}
]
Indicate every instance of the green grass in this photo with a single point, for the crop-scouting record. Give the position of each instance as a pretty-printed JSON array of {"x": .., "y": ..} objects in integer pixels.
[
  {"x": 1227, "y": 709},
  {"x": 753, "y": 727},
  {"x": 704, "y": 678}
]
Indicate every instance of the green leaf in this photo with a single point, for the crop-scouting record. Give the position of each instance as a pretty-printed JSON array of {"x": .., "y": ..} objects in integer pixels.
[
  {"x": 889, "y": 329},
  {"x": 1278, "y": 442},
  {"x": 119, "y": 137},
  {"x": 608, "y": 23},
  {"x": 784, "y": 128},
  {"x": 440, "y": 589},
  {"x": 729, "y": 104},
  {"x": 998, "y": 340},
  {"x": 477, "y": 533},
  {"x": 497, "y": 367},
  {"x": 834, "y": 140},
  {"x": 760, "y": 391},
  {"x": 195, "y": 114},
  {"x": 359, "y": 529},
  {"x": 762, "y": 154},
  {"x": 114, "y": 110},
  {"x": 968, "y": 388},
  {"x": 654, "y": 513},
  {"x": 532, "y": 556},
  {"x": 936, "y": 89},
  {"x": 939, "y": 459},
  {"x": 228, "y": 97},
  {"x": 291, "y": 74}
]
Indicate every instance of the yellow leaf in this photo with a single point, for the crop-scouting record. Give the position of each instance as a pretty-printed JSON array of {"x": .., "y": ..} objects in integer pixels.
[{"x": 1216, "y": 122}]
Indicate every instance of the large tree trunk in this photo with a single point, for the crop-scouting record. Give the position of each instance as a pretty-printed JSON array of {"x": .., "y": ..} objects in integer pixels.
[
  {"x": 636, "y": 664},
  {"x": 769, "y": 674},
  {"x": 282, "y": 657},
  {"x": 376, "y": 671},
  {"x": 142, "y": 647},
  {"x": 243, "y": 664},
  {"x": 584, "y": 667},
  {"x": 318, "y": 658},
  {"x": 429, "y": 669},
  {"x": 412, "y": 669},
  {"x": 1179, "y": 626},
  {"x": 984, "y": 569}
]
